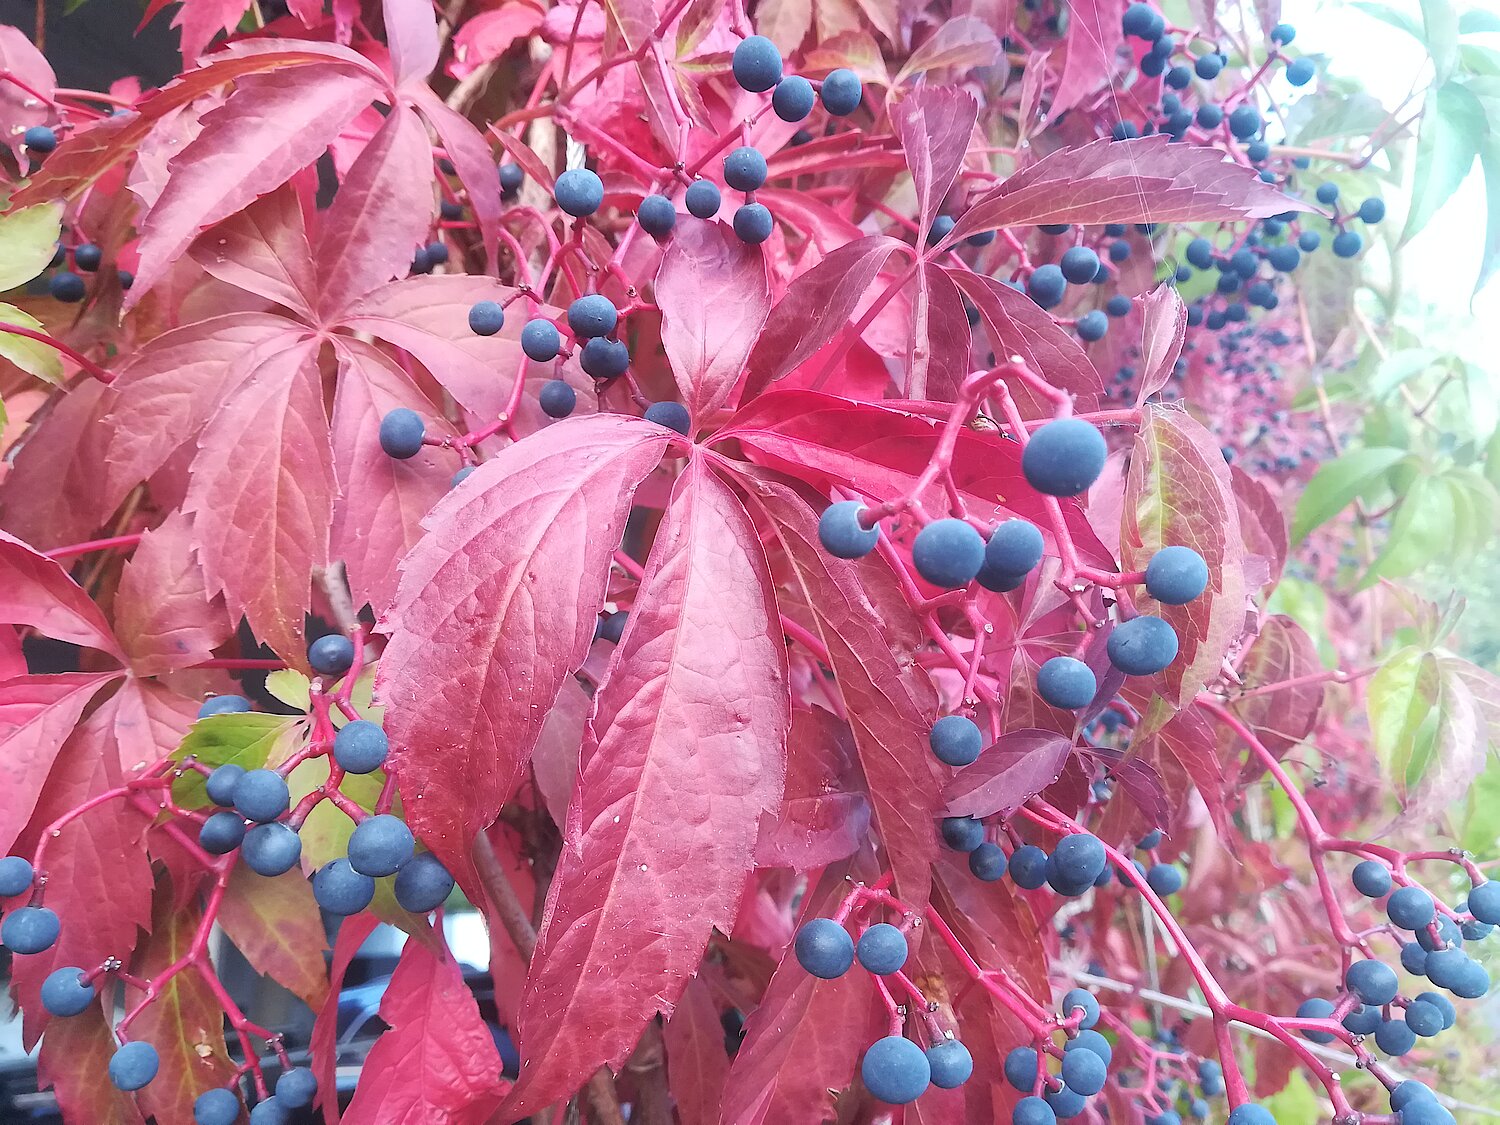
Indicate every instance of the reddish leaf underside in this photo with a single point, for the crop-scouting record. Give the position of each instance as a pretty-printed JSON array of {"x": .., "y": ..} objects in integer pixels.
[
  {"x": 714, "y": 298},
  {"x": 1017, "y": 325},
  {"x": 685, "y": 751},
  {"x": 411, "y": 30},
  {"x": 934, "y": 125},
  {"x": 262, "y": 497},
  {"x": 1163, "y": 330},
  {"x": 696, "y": 1061},
  {"x": 497, "y": 603},
  {"x": 1094, "y": 35},
  {"x": 469, "y": 150},
  {"x": 870, "y": 633},
  {"x": 324, "y": 1040},
  {"x": 39, "y": 592},
  {"x": 167, "y": 619},
  {"x": 52, "y": 495},
  {"x": 1017, "y": 767},
  {"x": 824, "y": 815},
  {"x": 1280, "y": 719},
  {"x": 437, "y": 1065},
  {"x": 938, "y": 359}
]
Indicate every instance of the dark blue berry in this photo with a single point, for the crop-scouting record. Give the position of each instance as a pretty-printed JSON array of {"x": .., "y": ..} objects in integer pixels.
[
  {"x": 221, "y": 783},
  {"x": 379, "y": 845},
  {"x": 1484, "y": 902},
  {"x": 1285, "y": 258},
  {"x": 592, "y": 315},
  {"x": 1283, "y": 33},
  {"x": 657, "y": 216},
  {"x": 1032, "y": 1110},
  {"x": 1076, "y": 998},
  {"x": 987, "y": 862},
  {"x": 39, "y": 138},
  {"x": 842, "y": 92},
  {"x": 752, "y": 223},
  {"x": 756, "y": 64},
  {"x": 1442, "y": 1004},
  {"x": 672, "y": 415},
  {"x": 824, "y": 948},
  {"x": 1363, "y": 1020},
  {"x": 1372, "y": 981},
  {"x": 1141, "y": 21},
  {"x": 1411, "y": 908},
  {"x": 64, "y": 992},
  {"x": 1347, "y": 244},
  {"x": 1064, "y": 457},
  {"x": 611, "y": 627},
  {"x": 423, "y": 883},
  {"x": 540, "y": 340},
  {"x": 261, "y": 795},
  {"x": 511, "y": 178},
  {"x": 1142, "y": 646},
  {"x": 1118, "y": 305},
  {"x": 840, "y": 533},
  {"x": 604, "y": 358},
  {"x": 1092, "y": 326},
  {"x": 67, "y": 287},
  {"x": 15, "y": 876},
  {"x": 1079, "y": 264},
  {"x": 1077, "y": 860},
  {"x": 222, "y": 833},
  {"x": 882, "y": 949},
  {"x": 557, "y": 399},
  {"x": 1394, "y": 1037},
  {"x": 332, "y": 655},
  {"x": 1028, "y": 867},
  {"x": 1316, "y": 1009},
  {"x": 133, "y": 1066},
  {"x": 1372, "y": 878},
  {"x": 1046, "y": 286},
  {"x": 216, "y": 1107},
  {"x": 962, "y": 833},
  {"x": 437, "y": 253},
  {"x": 1066, "y": 683},
  {"x": 702, "y": 199},
  {"x": 1021, "y": 1067},
  {"x": 1084, "y": 1072},
  {"x": 1209, "y": 116},
  {"x": 1119, "y": 251},
  {"x": 1245, "y": 121},
  {"x": 462, "y": 475},
  {"x": 486, "y": 318},
  {"x": 223, "y": 705},
  {"x": 1372, "y": 211},
  {"x": 1208, "y": 66},
  {"x": 1423, "y": 1018},
  {"x": 296, "y": 1087},
  {"x": 948, "y": 553},
  {"x": 1178, "y": 78},
  {"x": 895, "y": 1070},
  {"x": 271, "y": 849},
  {"x": 579, "y": 192},
  {"x": 1092, "y": 1041},
  {"x": 401, "y": 433},
  {"x": 1164, "y": 879},
  {"x": 955, "y": 740},
  {"x": 1015, "y": 547},
  {"x": 951, "y": 1064},
  {"x": 360, "y": 747},
  {"x": 745, "y": 169},
  {"x": 794, "y": 98},
  {"x": 87, "y": 256},
  {"x": 1301, "y": 71},
  {"x": 940, "y": 229},
  {"x": 341, "y": 890},
  {"x": 1176, "y": 575}
]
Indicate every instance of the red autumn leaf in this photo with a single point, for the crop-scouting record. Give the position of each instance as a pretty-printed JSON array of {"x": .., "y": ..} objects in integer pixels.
[
  {"x": 199, "y": 21},
  {"x": 267, "y": 130},
  {"x": 19, "y": 110},
  {"x": 940, "y": 340},
  {"x": 379, "y": 215},
  {"x": 685, "y": 751},
  {"x": 696, "y": 1061},
  {"x": 165, "y": 393},
  {"x": 803, "y": 1041},
  {"x": 1094, "y": 37},
  {"x": 469, "y": 150},
  {"x": 880, "y": 452},
  {"x": 871, "y": 634},
  {"x": 52, "y": 494},
  {"x": 39, "y": 592},
  {"x": 429, "y": 317},
  {"x": 1263, "y": 525},
  {"x": 554, "y": 762},
  {"x": 1010, "y": 772},
  {"x": 98, "y": 873},
  {"x": 824, "y": 817},
  {"x": 378, "y": 515},
  {"x": 411, "y": 30},
  {"x": 1163, "y": 330},
  {"x": 263, "y": 250},
  {"x": 1178, "y": 493},
  {"x": 74, "y": 1054},
  {"x": 816, "y": 306},
  {"x": 163, "y": 610},
  {"x": 37, "y": 714},
  {"x": 1017, "y": 325},
  {"x": 323, "y": 1043},
  {"x": 12, "y": 657},
  {"x": 934, "y": 125},
  {"x": 262, "y": 496},
  {"x": 1282, "y": 651},
  {"x": 184, "y": 1022},
  {"x": 489, "y": 34},
  {"x": 497, "y": 604},
  {"x": 275, "y": 923},
  {"x": 1145, "y": 180},
  {"x": 437, "y": 1065},
  {"x": 714, "y": 298},
  {"x": 145, "y": 721}
]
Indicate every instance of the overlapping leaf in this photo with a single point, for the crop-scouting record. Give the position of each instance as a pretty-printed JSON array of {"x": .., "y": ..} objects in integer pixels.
[
  {"x": 275, "y": 923},
  {"x": 685, "y": 752},
  {"x": 163, "y": 610}
]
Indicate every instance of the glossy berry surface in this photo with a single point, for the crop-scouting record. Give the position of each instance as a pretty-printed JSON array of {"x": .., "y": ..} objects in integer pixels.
[
  {"x": 1176, "y": 575},
  {"x": 401, "y": 433},
  {"x": 840, "y": 533},
  {"x": 423, "y": 883},
  {"x": 1066, "y": 682},
  {"x": 379, "y": 845},
  {"x": 332, "y": 655},
  {"x": 948, "y": 553},
  {"x": 824, "y": 948},
  {"x": 881, "y": 949},
  {"x": 1064, "y": 457},
  {"x": 895, "y": 1070},
  {"x": 955, "y": 740}
]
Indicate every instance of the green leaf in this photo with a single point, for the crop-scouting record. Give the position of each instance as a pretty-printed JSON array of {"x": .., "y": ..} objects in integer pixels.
[
  {"x": 1399, "y": 700},
  {"x": 1489, "y": 159},
  {"x": 31, "y": 356},
  {"x": 1295, "y": 1101},
  {"x": 28, "y": 239},
  {"x": 1476, "y": 21},
  {"x": 1484, "y": 409},
  {"x": 1479, "y": 826},
  {"x": 291, "y": 687},
  {"x": 249, "y": 739},
  {"x": 1441, "y": 24},
  {"x": 1388, "y": 15},
  {"x": 1400, "y": 366},
  {"x": 1306, "y": 603},
  {"x": 1422, "y": 530},
  {"x": 1454, "y": 129},
  {"x": 1334, "y": 486}
]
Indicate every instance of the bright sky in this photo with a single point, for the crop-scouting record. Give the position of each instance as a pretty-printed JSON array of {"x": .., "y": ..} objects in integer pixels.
[{"x": 1441, "y": 263}]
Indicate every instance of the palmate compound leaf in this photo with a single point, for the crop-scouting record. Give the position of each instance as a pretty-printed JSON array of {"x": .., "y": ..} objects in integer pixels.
[
  {"x": 1144, "y": 180},
  {"x": 262, "y": 496},
  {"x": 437, "y": 1065},
  {"x": 497, "y": 604},
  {"x": 685, "y": 752}
]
